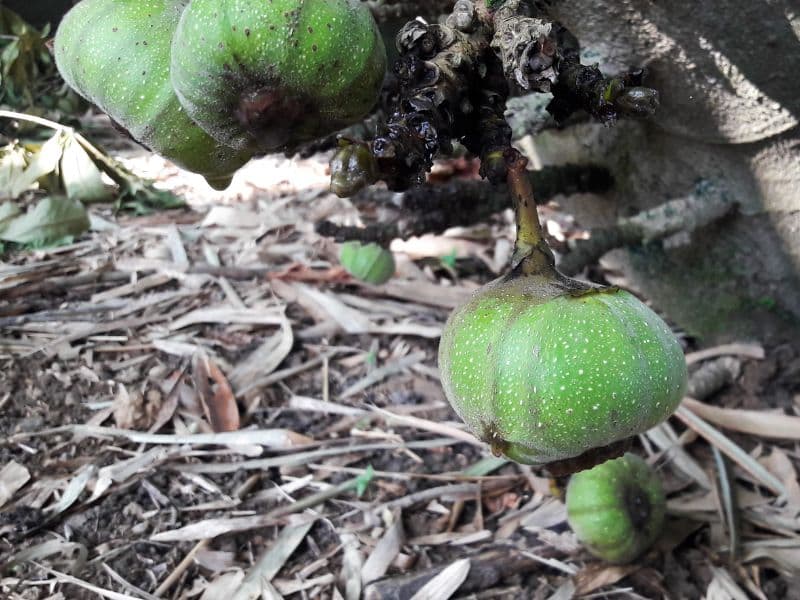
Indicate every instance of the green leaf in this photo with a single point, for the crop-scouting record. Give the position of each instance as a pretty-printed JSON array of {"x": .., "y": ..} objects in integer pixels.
[
  {"x": 81, "y": 178},
  {"x": 449, "y": 260},
  {"x": 52, "y": 220},
  {"x": 363, "y": 480}
]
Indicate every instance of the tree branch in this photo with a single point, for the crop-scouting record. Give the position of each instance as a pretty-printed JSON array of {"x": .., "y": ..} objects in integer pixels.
[
  {"x": 460, "y": 202},
  {"x": 707, "y": 204}
]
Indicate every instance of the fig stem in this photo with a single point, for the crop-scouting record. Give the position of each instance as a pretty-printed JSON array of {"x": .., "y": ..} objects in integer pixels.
[{"x": 531, "y": 251}]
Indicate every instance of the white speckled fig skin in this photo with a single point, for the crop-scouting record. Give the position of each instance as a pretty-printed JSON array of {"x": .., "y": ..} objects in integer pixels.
[
  {"x": 543, "y": 375},
  {"x": 116, "y": 54},
  {"x": 267, "y": 75}
]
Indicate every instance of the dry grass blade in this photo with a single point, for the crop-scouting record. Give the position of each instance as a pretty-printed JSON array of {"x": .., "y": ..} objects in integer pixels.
[
  {"x": 385, "y": 551},
  {"x": 64, "y": 578},
  {"x": 12, "y": 477},
  {"x": 214, "y": 527},
  {"x": 276, "y": 439},
  {"x": 783, "y": 553},
  {"x": 727, "y": 500},
  {"x": 47, "y": 549},
  {"x": 75, "y": 488},
  {"x": 755, "y": 351},
  {"x": 250, "y": 373},
  {"x": 723, "y": 586},
  {"x": 754, "y": 422},
  {"x": 667, "y": 441},
  {"x": 303, "y": 403},
  {"x": 446, "y": 583},
  {"x": 231, "y": 315},
  {"x": 272, "y": 561},
  {"x": 181, "y": 568},
  {"x": 352, "y": 564},
  {"x": 383, "y": 372},
  {"x": 426, "y": 425},
  {"x": 348, "y": 319},
  {"x": 304, "y": 458},
  {"x": 726, "y": 446}
]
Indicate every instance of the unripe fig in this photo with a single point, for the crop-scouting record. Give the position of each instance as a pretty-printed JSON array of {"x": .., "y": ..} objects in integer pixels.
[
  {"x": 370, "y": 263},
  {"x": 116, "y": 54},
  {"x": 617, "y": 508},
  {"x": 544, "y": 368},
  {"x": 269, "y": 75}
]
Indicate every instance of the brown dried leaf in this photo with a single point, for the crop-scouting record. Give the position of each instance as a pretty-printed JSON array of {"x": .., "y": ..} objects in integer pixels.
[
  {"x": 755, "y": 422},
  {"x": 135, "y": 410},
  {"x": 219, "y": 403},
  {"x": 779, "y": 464},
  {"x": 599, "y": 575}
]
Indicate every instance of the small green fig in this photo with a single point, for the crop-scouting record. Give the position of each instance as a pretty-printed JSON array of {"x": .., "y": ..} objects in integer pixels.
[
  {"x": 545, "y": 369},
  {"x": 116, "y": 54},
  {"x": 268, "y": 75},
  {"x": 370, "y": 263},
  {"x": 617, "y": 508}
]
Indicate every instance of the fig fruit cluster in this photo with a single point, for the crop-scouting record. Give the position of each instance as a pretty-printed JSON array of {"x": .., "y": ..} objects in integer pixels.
[
  {"x": 617, "y": 508},
  {"x": 209, "y": 84},
  {"x": 546, "y": 369}
]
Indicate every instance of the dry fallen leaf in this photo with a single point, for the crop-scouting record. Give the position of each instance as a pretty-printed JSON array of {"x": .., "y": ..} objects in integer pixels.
[{"x": 219, "y": 403}]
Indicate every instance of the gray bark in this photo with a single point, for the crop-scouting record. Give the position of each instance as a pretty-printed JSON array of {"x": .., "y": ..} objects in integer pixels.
[{"x": 727, "y": 72}]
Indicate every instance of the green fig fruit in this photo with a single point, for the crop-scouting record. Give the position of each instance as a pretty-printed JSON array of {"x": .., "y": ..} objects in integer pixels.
[
  {"x": 545, "y": 369},
  {"x": 617, "y": 508},
  {"x": 116, "y": 54},
  {"x": 268, "y": 75},
  {"x": 370, "y": 263}
]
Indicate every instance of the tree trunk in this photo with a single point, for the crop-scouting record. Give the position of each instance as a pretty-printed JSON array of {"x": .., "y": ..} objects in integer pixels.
[{"x": 726, "y": 71}]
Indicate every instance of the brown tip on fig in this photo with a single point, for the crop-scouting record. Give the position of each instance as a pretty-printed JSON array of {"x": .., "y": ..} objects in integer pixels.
[{"x": 272, "y": 117}]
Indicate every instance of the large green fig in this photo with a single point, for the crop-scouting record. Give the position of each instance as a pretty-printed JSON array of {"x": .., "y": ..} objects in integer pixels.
[
  {"x": 544, "y": 368},
  {"x": 267, "y": 75},
  {"x": 116, "y": 54},
  {"x": 617, "y": 508}
]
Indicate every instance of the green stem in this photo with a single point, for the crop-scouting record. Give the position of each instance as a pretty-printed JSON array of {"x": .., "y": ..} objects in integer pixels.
[{"x": 531, "y": 251}]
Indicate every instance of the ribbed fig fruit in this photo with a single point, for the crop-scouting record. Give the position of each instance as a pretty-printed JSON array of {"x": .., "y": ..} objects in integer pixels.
[
  {"x": 116, "y": 54},
  {"x": 617, "y": 508},
  {"x": 544, "y": 368},
  {"x": 369, "y": 263},
  {"x": 269, "y": 75}
]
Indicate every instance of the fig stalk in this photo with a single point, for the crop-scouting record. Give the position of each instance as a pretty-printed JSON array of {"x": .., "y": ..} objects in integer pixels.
[{"x": 531, "y": 251}]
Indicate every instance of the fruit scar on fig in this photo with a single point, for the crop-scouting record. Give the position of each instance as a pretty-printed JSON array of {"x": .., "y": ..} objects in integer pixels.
[{"x": 272, "y": 118}]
